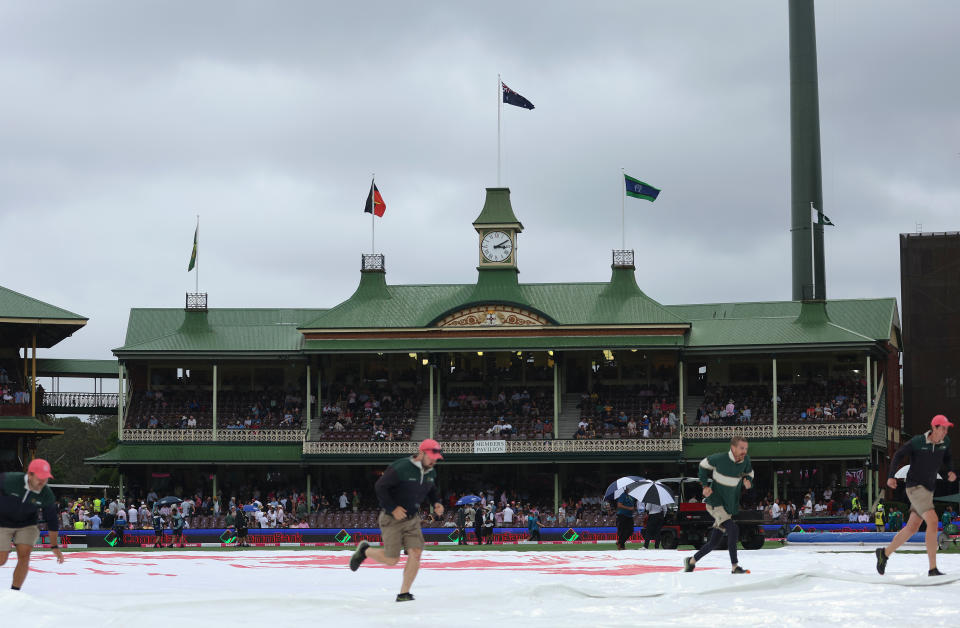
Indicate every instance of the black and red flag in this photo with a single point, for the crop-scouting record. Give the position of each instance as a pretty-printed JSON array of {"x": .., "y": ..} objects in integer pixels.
[
  {"x": 513, "y": 98},
  {"x": 375, "y": 204}
]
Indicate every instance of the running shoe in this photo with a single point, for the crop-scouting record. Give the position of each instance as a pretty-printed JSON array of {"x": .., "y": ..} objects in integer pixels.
[
  {"x": 359, "y": 556},
  {"x": 738, "y": 570},
  {"x": 935, "y": 572},
  {"x": 688, "y": 564},
  {"x": 405, "y": 597},
  {"x": 882, "y": 559}
]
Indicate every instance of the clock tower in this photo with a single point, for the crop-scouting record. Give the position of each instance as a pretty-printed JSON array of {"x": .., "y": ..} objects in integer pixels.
[{"x": 497, "y": 228}]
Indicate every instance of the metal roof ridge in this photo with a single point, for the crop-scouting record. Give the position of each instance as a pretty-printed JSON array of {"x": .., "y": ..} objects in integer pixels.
[{"x": 36, "y": 300}]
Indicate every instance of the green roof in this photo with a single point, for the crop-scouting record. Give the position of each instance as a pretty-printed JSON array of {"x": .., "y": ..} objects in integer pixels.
[
  {"x": 22, "y": 318},
  {"x": 378, "y": 305},
  {"x": 175, "y": 331},
  {"x": 52, "y": 367},
  {"x": 778, "y": 323},
  {"x": 27, "y": 424},
  {"x": 195, "y": 453},
  {"x": 16, "y": 305},
  {"x": 497, "y": 209}
]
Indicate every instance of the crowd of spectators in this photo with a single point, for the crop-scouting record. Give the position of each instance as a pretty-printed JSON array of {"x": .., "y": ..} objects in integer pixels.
[
  {"x": 482, "y": 414},
  {"x": 379, "y": 413},
  {"x": 13, "y": 397},
  {"x": 628, "y": 412},
  {"x": 818, "y": 401},
  {"x": 236, "y": 410}
]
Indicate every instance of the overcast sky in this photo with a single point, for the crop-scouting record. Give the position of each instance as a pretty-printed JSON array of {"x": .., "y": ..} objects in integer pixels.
[{"x": 121, "y": 121}]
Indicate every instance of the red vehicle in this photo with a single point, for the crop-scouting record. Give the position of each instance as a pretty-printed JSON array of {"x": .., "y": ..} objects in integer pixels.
[{"x": 690, "y": 524}]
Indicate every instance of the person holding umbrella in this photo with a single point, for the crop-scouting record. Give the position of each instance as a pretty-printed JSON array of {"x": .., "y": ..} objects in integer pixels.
[
  {"x": 723, "y": 476},
  {"x": 928, "y": 452},
  {"x": 400, "y": 490},
  {"x": 626, "y": 506},
  {"x": 21, "y": 496}
]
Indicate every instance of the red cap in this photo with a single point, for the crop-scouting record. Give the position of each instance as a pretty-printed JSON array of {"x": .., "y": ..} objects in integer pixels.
[
  {"x": 40, "y": 468},
  {"x": 940, "y": 420},
  {"x": 431, "y": 448}
]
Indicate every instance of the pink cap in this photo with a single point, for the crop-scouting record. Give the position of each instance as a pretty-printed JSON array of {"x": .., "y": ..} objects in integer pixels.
[
  {"x": 940, "y": 420},
  {"x": 431, "y": 448},
  {"x": 40, "y": 468}
]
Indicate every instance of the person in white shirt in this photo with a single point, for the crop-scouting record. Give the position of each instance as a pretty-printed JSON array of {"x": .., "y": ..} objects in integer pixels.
[
  {"x": 281, "y": 518},
  {"x": 827, "y": 494},
  {"x": 132, "y": 517},
  {"x": 507, "y": 515},
  {"x": 775, "y": 511}
]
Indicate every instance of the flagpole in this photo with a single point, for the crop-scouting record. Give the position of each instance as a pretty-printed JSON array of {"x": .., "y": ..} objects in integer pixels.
[
  {"x": 196, "y": 266},
  {"x": 373, "y": 213},
  {"x": 499, "y": 109},
  {"x": 623, "y": 219}
]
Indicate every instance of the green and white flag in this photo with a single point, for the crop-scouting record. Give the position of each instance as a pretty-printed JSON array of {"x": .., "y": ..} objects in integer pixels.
[{"x": 193, "y": 255}]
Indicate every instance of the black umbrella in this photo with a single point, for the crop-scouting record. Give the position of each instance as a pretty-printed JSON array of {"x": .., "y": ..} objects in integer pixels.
[{"x": 169, "y": 501}]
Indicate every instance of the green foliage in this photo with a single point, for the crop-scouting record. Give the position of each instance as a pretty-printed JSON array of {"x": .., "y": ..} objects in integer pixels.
[{"x": 82, "y": 438}]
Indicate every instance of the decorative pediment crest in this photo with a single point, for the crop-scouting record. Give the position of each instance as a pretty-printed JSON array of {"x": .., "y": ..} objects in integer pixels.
[{"x": 493, "y": 316}]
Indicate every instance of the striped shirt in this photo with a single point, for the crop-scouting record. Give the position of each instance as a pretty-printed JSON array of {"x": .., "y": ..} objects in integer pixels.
[{"x": 725, "y": 475}]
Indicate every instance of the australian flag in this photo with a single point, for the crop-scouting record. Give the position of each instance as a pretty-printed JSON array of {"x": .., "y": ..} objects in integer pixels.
[{"x": 513, "y": 98}]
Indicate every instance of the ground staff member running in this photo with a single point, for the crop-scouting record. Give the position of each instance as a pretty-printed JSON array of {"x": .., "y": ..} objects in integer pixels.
[
  {"x": 928, "y": 452},
  {"x": 21, "y": 495},
  {"x": 722, "y": 475},
  {"x": 400, "y": 490}
]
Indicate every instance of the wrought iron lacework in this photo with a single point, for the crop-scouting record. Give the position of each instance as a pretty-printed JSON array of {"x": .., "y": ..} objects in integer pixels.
[
  {"x": 372, "y": 261},
  {"x": 623, "y": 258},
  {"x": 197, "y": 301}
]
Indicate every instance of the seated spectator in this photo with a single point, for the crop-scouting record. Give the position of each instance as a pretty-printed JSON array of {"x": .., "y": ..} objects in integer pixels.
[{"x": 632, "y": 427}]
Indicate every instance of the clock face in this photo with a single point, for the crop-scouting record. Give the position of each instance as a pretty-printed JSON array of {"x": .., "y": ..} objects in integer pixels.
[{"x": 496, "y": 246}]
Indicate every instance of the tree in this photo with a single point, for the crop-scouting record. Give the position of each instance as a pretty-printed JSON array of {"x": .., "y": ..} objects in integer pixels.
[{"x": 82, "y": 438}]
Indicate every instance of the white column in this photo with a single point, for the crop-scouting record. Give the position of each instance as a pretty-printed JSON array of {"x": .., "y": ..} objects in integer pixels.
[
  {"x": 556, "y": 398},
  {"x": 869, "y": 388},
  {"x": 119, "y": 401},
  {"x": 681, "y": 395},
  {"x": 308, "y": 400},
  {"x": 214, "y": 401},
  {"x": 430, "y": 373},
  {"x": 774, "y": 400}
]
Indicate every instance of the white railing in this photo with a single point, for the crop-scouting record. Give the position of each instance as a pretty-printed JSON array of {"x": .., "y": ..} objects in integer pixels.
[
  {"x": 790, "y": 430},
  {"x": 205, "y": 435},
  {"x": 512, "y": 446}
]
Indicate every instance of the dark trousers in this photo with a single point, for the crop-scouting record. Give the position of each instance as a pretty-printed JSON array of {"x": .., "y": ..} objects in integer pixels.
[
  {"x": 733, "y": 535},
  {"x": 624, "y": 529},
  {"x": 488, "y": 534},
  {"x": 462, "y": 536},
  {"x": 478, "y": 530},
  {"x": 651, "y": 531},
  {"x": 535, "y": 534}
]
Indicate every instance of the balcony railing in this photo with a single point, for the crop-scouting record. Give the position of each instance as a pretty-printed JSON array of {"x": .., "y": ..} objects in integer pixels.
[
  {"x": 791, "y": 430},
  {"x": 206, "y": 435},
  {"x": 79, "y": 400},
  {"x": 511, "y": 446}
]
